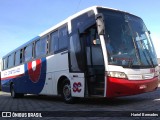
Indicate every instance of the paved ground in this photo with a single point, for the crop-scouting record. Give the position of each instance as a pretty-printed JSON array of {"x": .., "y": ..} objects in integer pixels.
[{"x": 134, "y": 104}]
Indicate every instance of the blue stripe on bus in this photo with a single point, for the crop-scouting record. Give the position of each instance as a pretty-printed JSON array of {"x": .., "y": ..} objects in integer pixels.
[
  {"x": 32, "y": 87},
  {"x": 24, "y": 84}
]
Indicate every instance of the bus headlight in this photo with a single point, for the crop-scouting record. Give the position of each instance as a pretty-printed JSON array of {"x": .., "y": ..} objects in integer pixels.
[{"x": 117, "y": 74}]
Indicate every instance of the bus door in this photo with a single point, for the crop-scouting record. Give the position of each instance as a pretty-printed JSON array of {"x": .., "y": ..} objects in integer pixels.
[
  {"x": 86, "y": 62},
  {"x": 94, "y": 62},
  {"x": 76, "y": 66}
]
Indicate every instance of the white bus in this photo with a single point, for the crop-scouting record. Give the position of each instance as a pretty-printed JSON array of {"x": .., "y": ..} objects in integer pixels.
[{"x": 98, "y": 52}]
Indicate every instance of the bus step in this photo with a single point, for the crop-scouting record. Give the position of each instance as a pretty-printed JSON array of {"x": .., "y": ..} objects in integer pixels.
[
  {"x": 99, "y": 89},
  {"x": 95, "y": 96},
  {"x": 101, "y": 82}
]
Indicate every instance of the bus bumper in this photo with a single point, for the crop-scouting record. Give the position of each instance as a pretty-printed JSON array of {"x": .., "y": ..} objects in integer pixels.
[{"x": 117, "y": 87}]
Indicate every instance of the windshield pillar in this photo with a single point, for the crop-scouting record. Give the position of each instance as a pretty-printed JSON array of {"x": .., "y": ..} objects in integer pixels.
[{"x": 105, "y": 55}]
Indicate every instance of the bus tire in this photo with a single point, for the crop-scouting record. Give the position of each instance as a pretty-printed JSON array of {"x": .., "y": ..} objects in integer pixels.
[
  {"x": 13, "y": 93},
  {"x": 66, "y": 92}
]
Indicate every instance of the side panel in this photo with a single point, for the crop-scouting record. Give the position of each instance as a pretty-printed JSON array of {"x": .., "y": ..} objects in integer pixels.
[
  {"x": 57, "y": 66},
  {"x": 27, "y": 78},
  {"x": 35, "y": 76},
  {"x": 7, "y": 76},
  {"x": 49, "y": 85},
  {"x": 77, "y": 84}
]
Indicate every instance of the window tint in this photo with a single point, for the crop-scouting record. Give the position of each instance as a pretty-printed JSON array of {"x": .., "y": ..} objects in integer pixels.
[
  {"x": 59, "y": 40},
  {"x": 54, "y": 42},
  {"x": 5, "y": 63},
  {"x": 10, "y": 60},
  {"x": 41, "y": 47},
  {"x": 28, "y": 53},
  {"x": 76, "y": 61},
  {"x": 17, "y": 58},
  {"x": 63, "y": 38},
  {"x": 21, "y": 56}
]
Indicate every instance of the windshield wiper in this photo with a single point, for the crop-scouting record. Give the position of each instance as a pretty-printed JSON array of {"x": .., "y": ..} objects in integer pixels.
[
  {"x": 136, "y": 49},
  {"x": 130, "y": 63},
  {"x": 149, "y": 55},
  {"x": 143, "y": 47},
  {"x": 137, "y": 52}
]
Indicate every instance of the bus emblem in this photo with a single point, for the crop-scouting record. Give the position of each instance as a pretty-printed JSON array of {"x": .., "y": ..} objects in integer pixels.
[
  {"x": 34, "y": 70},
  {"x": 76, "y": 87}
]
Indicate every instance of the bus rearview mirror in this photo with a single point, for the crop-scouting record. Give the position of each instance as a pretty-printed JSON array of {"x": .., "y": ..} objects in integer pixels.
[
  {"x": 149, "y": 32},
  {"x": 100, "y": 23}
]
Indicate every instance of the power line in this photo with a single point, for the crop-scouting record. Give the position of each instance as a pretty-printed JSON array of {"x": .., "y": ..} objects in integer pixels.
[{"x": 78, "y": 5}]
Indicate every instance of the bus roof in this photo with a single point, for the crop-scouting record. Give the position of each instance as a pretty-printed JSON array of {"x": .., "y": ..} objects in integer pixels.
[
  {"x": 76, "y": 15},
  {"x": 94, "y": 8}
]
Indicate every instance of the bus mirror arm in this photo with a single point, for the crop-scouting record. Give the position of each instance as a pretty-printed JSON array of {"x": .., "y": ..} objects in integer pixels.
[
  {"x": 83, "y": 27},
  {"x": 100, "y": 23}
]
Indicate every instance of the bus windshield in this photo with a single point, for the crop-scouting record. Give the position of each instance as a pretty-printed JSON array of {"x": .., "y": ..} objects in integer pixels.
[{"x": 128, "y": 42}]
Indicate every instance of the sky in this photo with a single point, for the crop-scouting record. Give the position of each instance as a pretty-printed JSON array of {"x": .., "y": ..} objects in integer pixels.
[{"x": 22, "y": 20}]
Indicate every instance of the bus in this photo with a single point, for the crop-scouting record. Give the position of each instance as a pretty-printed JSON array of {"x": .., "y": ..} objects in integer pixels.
[{"x": 97, "y": 52}]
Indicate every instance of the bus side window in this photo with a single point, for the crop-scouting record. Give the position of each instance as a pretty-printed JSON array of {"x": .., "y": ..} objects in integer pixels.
[
  {"x": 28, "y": 53},
  {"x": 21, "y": 56},
  {"x": 5, "y": 63},
  {"x": 63, "y": 38},
  {"x": 44, "y": 45},
  {"x": 17, "y": 58},
  {"x": 10, "y": 60},
  {"x": 54, "y": 42},
  {"x": 41, "y": 47},
  {"x": 38, "y": 48}
]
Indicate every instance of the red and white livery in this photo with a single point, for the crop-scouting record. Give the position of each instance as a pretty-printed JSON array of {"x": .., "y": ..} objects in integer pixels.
[{"x": 98, "y": 52}]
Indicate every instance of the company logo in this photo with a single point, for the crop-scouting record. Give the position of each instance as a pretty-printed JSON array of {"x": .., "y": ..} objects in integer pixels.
[
  {"x": 13, "y": 72},
  {"x": 6, "y": 114},
  {"x": 76, "y": 87},
  {"x": 34, "y": 70},
  {"x": 21, "y": 114}
]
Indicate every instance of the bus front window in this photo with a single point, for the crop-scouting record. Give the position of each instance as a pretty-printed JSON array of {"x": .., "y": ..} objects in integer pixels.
[
  {"x": 127, "y": 41},
  {"x": 119, "y": 42},
  {"x": 140, "y": 35}
]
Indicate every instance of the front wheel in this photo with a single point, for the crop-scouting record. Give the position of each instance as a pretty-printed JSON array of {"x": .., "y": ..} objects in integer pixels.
[{"x": 66, "y": 92}]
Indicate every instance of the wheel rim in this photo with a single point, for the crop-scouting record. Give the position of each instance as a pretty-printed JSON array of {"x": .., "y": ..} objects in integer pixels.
[{"x": 67, "y": 91}]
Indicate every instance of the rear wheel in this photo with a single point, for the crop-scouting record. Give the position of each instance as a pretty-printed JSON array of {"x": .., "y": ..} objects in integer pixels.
[
  {"x": 14, "y": 94},
  {"x": 66, "y": 92}
]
